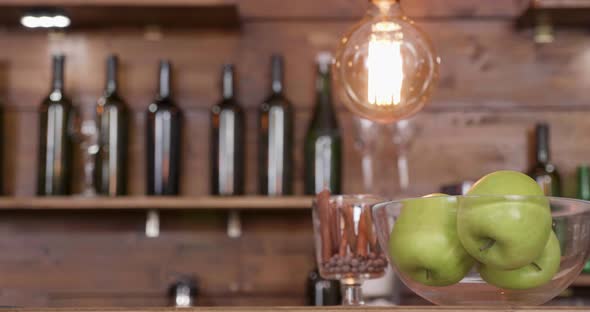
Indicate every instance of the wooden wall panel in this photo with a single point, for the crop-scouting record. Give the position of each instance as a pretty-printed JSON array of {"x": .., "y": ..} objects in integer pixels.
[
  {"x": 110, "y": 261},
  {"x": 325, "y": 9},
  {"x": 495, "y": 84}
]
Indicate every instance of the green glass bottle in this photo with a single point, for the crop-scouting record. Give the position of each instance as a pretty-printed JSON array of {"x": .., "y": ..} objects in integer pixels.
[
  {"x": 323, "y": 141},
  {"x": 584, "y": 194},
  {"x": 275, "y": 124},
  {"x": 55, "y": 147},
  {"x": 543, "y": 171},
  {"x": 111, "y": 117}
]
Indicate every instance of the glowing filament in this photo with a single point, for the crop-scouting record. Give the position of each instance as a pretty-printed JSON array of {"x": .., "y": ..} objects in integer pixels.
[{"x": 385, "y": 64}]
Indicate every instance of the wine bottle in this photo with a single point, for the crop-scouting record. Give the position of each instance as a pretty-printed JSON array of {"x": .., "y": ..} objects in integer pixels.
[
  {"x": 164, "y": 122},
  {"x": 275, "y": 160},
  {"x": 323, "y": 142},
  {"x": 584, "y": 194},
  {"x": 112, "y": 122},
  {"x": 322, "y": 292},
  {"x": 227, "y": 140},
  {"x": 583, "y": 182},
  {"x": 54, "y": 141},
  {"x": 184, "y": 293},
  {"x": 543, "y": 171}
]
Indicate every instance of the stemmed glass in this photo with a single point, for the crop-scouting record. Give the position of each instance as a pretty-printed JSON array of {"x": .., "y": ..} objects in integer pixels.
[
  {"x": 346, "y": 242},
  {"x": 84, "y": 132},
  {"x": 403, "y": 133},
  {"x": 367, "y": 134},
  {"x": 365, "y": 141}
]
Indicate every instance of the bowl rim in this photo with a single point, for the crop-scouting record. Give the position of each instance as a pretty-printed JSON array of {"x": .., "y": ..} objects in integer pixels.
[
  {"x": 356, "y": 197},
  {"x": 580, "y": 209}
]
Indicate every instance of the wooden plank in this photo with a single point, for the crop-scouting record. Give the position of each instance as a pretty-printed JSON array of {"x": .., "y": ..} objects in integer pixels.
[
  {"x": 477, "y": 72},
  {"x": 91, "y": 17},
  {"x": 340, "y": 9},
  {"x": 554, "y": 4},
  {"x": 449, "y": 147},
  {"x": 110, "y": 261},
  {"x": 96, "y": 3},
  {"x": 322, "y": 309},
  {"x": 582, "y": 281},
  {"x": 161, "y": 203}
]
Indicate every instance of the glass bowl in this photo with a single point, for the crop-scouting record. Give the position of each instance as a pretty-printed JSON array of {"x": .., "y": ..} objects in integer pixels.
[{"x": 571, "y": 224}]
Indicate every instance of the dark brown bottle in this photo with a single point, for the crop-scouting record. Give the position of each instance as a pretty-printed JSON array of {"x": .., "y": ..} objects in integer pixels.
[
  {"x": 112, "y": 123},
  {"x": 55, "y": 148},
  {"x": 322, "y": 292},
  {"x": 543, "y": 171},
  {"x": 164, "y": 123},
  {"x": 275, "y": 159},
  {"x": 227, "y": 140}
]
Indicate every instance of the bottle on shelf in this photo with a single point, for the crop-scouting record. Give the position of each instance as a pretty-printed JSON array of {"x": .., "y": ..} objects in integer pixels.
[
  {"x": 543, "y": 171},
  {"x": 164, "y": 124},
  {"x": 227, "y": 140},
  {"x": 323, "y": 142},
  {"x": 184, "y": 293},
  {"x": 275, "y": 123},
  {"x": 55, "y": 146},
  {"x": 112, "y": 123},
  {"x": 322, "y": 292},
  {"x": 584, "y": 194}
]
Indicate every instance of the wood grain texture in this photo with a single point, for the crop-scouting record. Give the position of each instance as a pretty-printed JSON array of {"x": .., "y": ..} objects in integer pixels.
[
  {"x": 582, "y": 281},
  {"x": 88, "y": 17},
  {"x": 323, "y": 309},
  {"x": 495, "y": 84},
  {"x": 306, "y": 9},
  {"x": 479, "y": 76},
  {"x": 109, "y": 261}
]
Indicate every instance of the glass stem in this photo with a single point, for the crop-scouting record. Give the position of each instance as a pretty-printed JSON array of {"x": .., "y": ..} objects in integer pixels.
[
  {"x": 367, "y": 164},
  {"x": 353, "y": 293},
  {"x": 403, "y": 170}
]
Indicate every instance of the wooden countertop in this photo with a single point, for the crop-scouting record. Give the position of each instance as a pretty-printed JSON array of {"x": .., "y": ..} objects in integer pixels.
[{"x": 303, "y": 309}]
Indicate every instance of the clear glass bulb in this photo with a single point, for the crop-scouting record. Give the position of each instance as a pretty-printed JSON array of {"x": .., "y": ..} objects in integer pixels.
[{"x": 385, "y": 67}]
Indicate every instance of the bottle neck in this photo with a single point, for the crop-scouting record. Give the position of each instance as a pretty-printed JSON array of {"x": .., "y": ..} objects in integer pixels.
[
  {"x": 164, "y": 89},
  {"x": 324, "y": 91},
  {"x": 385, "y": 8},
  {"x": 57, "y": 83},
  {"x": 228, "y": 82},
  {"x": 542, "y": 140},
  {"x": 277, "y": 74},
  {"x": 111, "y": 85},
  {"x": 584, "y": 183}
]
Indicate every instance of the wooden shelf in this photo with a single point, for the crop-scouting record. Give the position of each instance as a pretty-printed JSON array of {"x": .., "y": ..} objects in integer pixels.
[
  {"x": 93, "y": 14},
  {"x": 160, "y": 203},
  {"x": 554, "y": 4},
  {"x": 558, "y": 13},
  {"x": 314, "y": 309},
  {"x": 582, "y": 281}
]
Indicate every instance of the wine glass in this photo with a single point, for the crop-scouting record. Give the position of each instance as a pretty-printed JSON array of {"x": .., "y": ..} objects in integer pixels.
[
  {"x": 403, "y": 133},
  {"x": 84, "y": 132},
  {"x": 366, "y": 135},
  {"x": 346, "y": 242}
]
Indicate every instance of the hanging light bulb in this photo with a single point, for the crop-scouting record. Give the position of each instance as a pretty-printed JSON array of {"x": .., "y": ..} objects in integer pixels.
[{"x": 385, "y": 67}]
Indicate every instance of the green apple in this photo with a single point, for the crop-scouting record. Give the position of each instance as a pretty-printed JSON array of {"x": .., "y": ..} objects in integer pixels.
[
  {"x": 536, "y": 274},
  {"x": 424, "y": 243},
  {"x": 506, "y": 182},
  {"x": 504, "y": 232}
]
